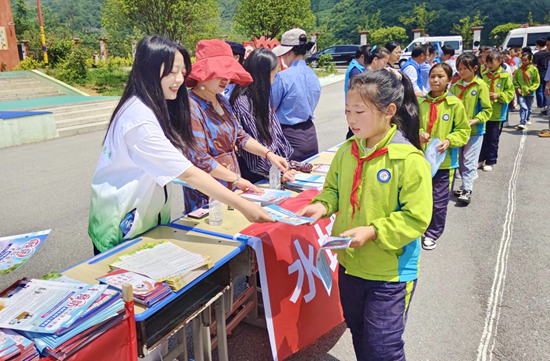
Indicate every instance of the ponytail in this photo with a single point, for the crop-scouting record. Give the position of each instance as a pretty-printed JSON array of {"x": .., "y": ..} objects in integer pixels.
[
  {"x": 383, "y": 87},
  {"x": 407, "y": 117},
  {"x": 304, "y": 46}
]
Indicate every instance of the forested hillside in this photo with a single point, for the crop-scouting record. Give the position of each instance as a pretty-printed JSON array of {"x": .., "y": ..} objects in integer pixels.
[{"x": 338, "y": 20}]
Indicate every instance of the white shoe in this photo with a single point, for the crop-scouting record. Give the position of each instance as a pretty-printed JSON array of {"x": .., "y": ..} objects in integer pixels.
[
  {"x": 487, "y": 168},
  {"x": 521, "y": 127},
  {"x": 528, "y": 122},
  {"x": 458, "y": 175},
  {"x": 428, "y": 244}
]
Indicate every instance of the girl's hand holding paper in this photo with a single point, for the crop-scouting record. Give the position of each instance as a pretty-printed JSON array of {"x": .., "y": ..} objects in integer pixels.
[
  {"x": 443, "y": 146},
  {"x": 361, "y": 235},
  {"x": 315, "y": 211}
]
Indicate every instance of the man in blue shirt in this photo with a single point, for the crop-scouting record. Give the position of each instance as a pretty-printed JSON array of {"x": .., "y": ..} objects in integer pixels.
[
  {"x": 412, "y": 69},
  {"x": 295, "y": 94}
]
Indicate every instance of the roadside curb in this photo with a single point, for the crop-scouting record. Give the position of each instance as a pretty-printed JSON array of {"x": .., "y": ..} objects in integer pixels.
[{"x": 332, "y": 79}]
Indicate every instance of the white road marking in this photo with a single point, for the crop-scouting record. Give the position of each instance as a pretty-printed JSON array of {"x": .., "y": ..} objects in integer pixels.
[{"x": 488, "y": 337}]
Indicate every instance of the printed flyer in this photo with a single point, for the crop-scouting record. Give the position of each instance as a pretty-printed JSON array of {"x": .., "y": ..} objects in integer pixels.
[
  {"x": 284, "y": 215},
  {"x": 16, "y": 250},
  {"x": 47, "y": 306}
]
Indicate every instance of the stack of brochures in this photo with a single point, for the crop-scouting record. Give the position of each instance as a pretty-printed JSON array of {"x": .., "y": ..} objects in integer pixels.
[
  {"x": 58, "y": 317},
  {"x": 270, "y": 196},
  {"x": 15, "y": 347},
  {"x": 147, "y": 291},
  {"x": 307, "y": 182},
  {"x": 164, "y": 262}
]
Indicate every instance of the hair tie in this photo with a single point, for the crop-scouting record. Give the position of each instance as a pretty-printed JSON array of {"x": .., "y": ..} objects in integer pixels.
[{"x": 373, "y": 48}]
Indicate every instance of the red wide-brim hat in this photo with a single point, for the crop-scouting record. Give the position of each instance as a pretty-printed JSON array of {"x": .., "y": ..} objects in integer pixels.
[{"x": 215, "y": 60}]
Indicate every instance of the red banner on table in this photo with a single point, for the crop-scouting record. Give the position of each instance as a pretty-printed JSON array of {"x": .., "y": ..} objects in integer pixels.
[{"x": 298, "y": 307}]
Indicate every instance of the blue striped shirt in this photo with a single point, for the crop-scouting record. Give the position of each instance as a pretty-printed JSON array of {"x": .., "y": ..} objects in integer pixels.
[{"x": 280, "y": 145}]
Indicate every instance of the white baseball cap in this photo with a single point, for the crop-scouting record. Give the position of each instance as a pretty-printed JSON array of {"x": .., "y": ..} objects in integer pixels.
[{"x": 289, "y": 40}]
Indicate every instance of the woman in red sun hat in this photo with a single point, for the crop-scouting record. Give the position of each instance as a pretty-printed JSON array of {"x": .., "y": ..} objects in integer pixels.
[{"x": 214, "y": 126}]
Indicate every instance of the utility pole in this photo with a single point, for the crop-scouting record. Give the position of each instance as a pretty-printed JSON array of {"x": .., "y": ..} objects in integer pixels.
[{"x": 42, "y": 34}]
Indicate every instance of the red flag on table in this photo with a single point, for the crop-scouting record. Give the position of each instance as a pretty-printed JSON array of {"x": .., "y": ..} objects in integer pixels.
[{"x": 298, "y": 307}]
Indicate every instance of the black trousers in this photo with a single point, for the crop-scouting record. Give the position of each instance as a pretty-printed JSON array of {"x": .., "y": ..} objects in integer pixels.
[
  {"x": 489, "y": 149},
  {"x": 303, "y": 138}
]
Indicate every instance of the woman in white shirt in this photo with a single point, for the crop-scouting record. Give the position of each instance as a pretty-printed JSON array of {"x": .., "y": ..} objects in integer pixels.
[{"x": 142, "y": 151}]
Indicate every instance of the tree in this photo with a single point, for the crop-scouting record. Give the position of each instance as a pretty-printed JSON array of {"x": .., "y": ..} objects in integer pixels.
[
  {"x": 383, "y": 35},
  {"x": 273, "y": 17},
  {"x": 20, "y": 17},
  {"x": 464, "y": 27},
  {"x": 371, "y": 22},
  {"x": 186, "y": 21},
  {"x": 420, "y": 18},
  {"x": 498, "y": 34}
]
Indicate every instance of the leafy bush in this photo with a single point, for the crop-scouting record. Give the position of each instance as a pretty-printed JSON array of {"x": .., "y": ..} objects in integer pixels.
[
  {"x": 325, "y": 62},
  {"x": 383, "y": 35},
  {"x": 498, "y": 34},
  {"x": 108, "y": 81},
  {"x": 59, "y": 51},
  {"x": 73, "y": 69},
  {"x": 29, "y": 64}
]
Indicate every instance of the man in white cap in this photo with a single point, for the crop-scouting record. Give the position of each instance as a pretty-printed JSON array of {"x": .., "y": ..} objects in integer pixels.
[{"x": 295, "y": 94}]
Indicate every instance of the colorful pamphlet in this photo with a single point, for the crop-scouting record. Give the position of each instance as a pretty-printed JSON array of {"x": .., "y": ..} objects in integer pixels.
[
  {"x": 284, "y": 215},
  {"x": 147, "y": 291},
  {"x": 16, "y": 250},
  {"x": 270, "y": 196},
  {"x": 433, "y": 156},
  {"x": 47, "y": 306},
  {"x": 323, "y": 268},
  {"x": 26, "y": 347},
  {"x": 164, "y": 262},
  {"x": 8, "y": 347},
  {"x": 307, "y": 182}
]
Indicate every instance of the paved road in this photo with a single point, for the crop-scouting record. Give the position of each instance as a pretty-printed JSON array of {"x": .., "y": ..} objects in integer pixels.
[{"x": 483, "y": 292}]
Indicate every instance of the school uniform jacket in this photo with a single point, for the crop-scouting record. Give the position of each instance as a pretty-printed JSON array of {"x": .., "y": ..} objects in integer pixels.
[
  {"x": 527, "y": 79},
  {"x": 395, "y": 197},
  {"x": 451, "y": 123},
  {"x": 476, "y": 101},
  {"x": 501, "y": 83}
]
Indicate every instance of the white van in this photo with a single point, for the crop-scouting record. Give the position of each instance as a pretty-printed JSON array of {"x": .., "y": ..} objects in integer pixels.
[
  {"x": 454, "y": 41},
  {"x": 526, "y": 36}
]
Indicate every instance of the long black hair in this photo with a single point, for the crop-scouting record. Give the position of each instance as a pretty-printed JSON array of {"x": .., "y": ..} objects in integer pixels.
[
  {"x": 152, "y": 53},
  {"x": 382, "y": 87},
  {"x": 260, "y": 63}
]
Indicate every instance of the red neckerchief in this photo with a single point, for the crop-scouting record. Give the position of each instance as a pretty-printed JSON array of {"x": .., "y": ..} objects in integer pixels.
[
  {"x": 357, "y": 175},
  {"x": 464, "y": 88},
  {"x": 526, "y": 77},
  {"x": 433, "y": 112},
  {"x": 493, "y": 80}
]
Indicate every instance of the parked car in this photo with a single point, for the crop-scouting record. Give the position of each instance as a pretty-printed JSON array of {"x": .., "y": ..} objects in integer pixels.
[
  {"x": 454, "y": 41},
  {"x": 526, "y": 36},
  {"x": 341, "y": 54}
]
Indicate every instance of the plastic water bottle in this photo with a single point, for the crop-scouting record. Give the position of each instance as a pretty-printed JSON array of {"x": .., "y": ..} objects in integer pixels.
[
  {"x": 274, "y": 177},
  {"x": 216, "y": 212}
]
